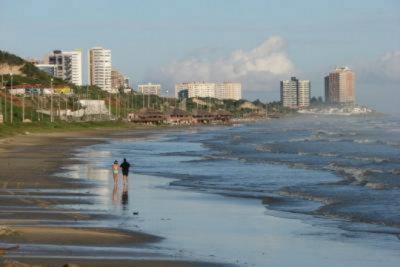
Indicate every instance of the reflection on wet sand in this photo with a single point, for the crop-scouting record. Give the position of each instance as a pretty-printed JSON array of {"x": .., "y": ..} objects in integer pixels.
[
  {"x": 124, "y": 195},
  {"x": 124, "y": 198},
  {"x": 115, "y": 193}
]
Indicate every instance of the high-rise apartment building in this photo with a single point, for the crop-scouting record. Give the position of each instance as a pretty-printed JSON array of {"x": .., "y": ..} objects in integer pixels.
[
  {"x": 100, "y": 68},
  {"x": 117, "y": 80},
  {"x": 149, "y": 89},
  {"x": 215, "y": 90},
  {"x": 295, "y": 93},
  {"x": 67, "y": 65},
  {"x": 303, "y": 93},
  {"x": 340, "y": 86}
]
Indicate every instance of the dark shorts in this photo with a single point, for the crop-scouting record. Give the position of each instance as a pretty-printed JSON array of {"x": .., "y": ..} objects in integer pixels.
[{"x": 125, "y": 173}]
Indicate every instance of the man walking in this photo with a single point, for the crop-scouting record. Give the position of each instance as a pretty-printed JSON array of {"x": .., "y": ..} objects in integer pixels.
[{"x": 125, "y": 170}]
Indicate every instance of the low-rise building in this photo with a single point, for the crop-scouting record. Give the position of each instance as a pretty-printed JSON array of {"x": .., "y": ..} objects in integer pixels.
[
  {"x": 149, "y": 89},
  {"x": 66, "y": 90},
  {"x": 146, "y": 115},
  {"x": 48, "y": 91},
  {"x": 178, "y": 116},
  {"x": 17, "y": 91},
  {"x": 226, "y": 90}
]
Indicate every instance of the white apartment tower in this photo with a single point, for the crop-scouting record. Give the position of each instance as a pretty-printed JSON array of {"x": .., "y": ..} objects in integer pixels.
[
  {"x": 221, "y": 91},
  {"x": 303, "y": 93},
  {"x": 100, "y": 68},
  {"x": 295, "y": 93},
  {"x": 67, "y": 65}
]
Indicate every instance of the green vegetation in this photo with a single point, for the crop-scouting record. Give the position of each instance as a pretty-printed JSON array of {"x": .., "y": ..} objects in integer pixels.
[
  {"x": 30, "y": 73},
  {"x": 317, "y": 102},
  {"x": 277, "y": 108},
  {"x": 59, "y": 126},
  {"x": 10, "y": 59}
]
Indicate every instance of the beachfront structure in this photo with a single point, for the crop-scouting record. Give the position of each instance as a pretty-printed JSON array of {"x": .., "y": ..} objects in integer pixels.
[
  {"x": 295, "y": 93},
  {"x": 100, "y": 68},
  {"x": 149, "y": 89},
  {"x": 340, "y": 86},
  {"x": 67, "y": 65},
  {"x": 226, "y": 90}
]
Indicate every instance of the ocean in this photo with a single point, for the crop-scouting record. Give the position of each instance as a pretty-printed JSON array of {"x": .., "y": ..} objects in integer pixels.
[{"x": 340, "y": 172}]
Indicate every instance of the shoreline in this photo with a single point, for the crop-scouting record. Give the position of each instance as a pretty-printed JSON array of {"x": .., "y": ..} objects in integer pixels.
[{"x": 30, "y": 164}]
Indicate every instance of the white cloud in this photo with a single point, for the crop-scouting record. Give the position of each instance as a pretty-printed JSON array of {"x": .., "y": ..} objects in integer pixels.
[
  {"x": 385, "y": 69},
  {"x": 258, "y": 69},
  {"x": 389, "y": 65}
]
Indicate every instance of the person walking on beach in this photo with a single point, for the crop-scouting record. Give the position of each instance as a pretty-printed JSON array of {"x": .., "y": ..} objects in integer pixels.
[
  {"x": 125, "y": 170},
  {"x": 115, "y": 169}
]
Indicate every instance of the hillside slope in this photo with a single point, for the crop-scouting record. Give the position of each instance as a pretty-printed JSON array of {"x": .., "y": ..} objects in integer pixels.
[{"x": 23, "y": 71}]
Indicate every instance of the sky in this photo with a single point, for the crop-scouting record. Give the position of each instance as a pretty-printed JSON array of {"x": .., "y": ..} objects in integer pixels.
[{"x": 255, "y": 42}]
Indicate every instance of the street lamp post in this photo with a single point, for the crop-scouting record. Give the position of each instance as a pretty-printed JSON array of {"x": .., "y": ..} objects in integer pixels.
[
  {"x": 1, "y": 100},
  {"x": 5, "y": 99},
  {"x": 51, "y": 100},
  {"x": 109, "y": 104},
  {"x": 23, "y": 107},
  {"x": 12, "y": 109}
]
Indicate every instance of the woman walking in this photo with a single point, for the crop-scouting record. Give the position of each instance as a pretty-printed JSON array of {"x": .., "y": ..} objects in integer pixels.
[{"x": 115, "y": 169}]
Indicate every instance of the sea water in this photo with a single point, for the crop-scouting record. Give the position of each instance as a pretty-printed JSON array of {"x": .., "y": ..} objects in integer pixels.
[{"x": 302, "y": 191}]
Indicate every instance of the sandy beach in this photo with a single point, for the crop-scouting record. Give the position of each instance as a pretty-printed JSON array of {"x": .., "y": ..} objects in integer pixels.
[{"x": 30, "y": 191}]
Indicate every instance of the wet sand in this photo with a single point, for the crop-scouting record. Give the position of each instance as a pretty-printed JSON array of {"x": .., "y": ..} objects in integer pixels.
[{"x": 30, "y": 191}]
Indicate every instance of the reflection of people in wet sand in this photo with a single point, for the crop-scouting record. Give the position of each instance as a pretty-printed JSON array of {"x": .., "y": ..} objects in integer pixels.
[
  {"x": 115, "y": 168},
  {"x": 124, "y": 198},
  {"x": 115, "y": 193},
  {"x": 125, "y": 170}
]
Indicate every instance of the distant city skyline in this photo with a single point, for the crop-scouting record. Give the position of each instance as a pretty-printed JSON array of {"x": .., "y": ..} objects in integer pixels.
[{"x": 256, "y": 43}]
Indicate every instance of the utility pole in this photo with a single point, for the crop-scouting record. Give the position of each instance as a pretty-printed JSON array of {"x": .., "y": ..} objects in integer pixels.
[
  {"x": 109, "y": 104},
  {"x": 1, "y": 106},
  {"x": 5, "y": 104},
  {"x": 5, "y": 99},
  {"x": 59, "y": 106},
  {"x": 12, "y": 110},
  {"x": 51, "y": 100},
  {"x": 23, "y": 107},
  {"x": 38, "y": 106}
]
